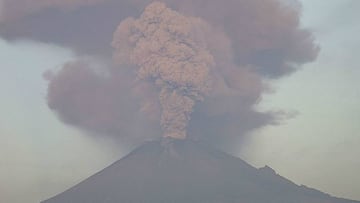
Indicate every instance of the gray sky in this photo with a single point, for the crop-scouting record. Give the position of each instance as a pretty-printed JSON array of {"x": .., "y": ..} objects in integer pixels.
[
  {"x": 29, "y": 131},
  {"x": 318, "y": 147}
]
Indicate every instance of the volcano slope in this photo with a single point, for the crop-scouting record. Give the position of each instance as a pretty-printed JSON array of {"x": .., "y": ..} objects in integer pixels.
[{"x": 185, "y": 171}]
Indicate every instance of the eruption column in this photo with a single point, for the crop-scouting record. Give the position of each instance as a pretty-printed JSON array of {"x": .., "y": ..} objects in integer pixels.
[{"x": 167, "y": 49}]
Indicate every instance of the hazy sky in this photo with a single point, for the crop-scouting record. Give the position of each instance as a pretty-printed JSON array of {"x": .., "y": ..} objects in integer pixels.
[
  {"x": 318, "y": 147},
  {"x": 34, "y": 145}
]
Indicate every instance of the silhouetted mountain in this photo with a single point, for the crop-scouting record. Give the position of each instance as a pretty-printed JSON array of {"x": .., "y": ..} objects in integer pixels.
[{"x": 174, "y": 171}]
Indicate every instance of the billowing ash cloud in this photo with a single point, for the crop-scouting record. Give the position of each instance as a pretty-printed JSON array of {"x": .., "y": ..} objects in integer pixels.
[
  {"x": 20, "y": 8},
  {"x": 101, "y": 103},
  {"x": 169, "y": 50},
  {"x": 233, "y": 45}
]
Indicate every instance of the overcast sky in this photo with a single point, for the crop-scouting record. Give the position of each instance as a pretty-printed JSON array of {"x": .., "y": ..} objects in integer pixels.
[{"x": 318, "y": 147}]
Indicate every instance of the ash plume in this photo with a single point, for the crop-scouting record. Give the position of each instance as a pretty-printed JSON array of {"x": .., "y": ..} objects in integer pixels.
[
  {"x": 241, "y": 43},
  {"x": 21, "y": 8},
  {"x": 101, "y": 104},
  {"x": 167, "y": 49}
]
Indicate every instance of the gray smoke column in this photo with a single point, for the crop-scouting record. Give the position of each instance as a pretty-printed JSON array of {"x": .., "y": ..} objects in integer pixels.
[{"x": 168, "y": 50}]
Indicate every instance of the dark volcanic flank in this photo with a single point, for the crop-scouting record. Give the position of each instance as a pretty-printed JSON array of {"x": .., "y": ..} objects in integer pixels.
[{"x": 184, "y": 171}]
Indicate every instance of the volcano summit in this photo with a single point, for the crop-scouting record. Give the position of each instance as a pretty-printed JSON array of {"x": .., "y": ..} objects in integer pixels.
[{"x": 184, "y": 171}]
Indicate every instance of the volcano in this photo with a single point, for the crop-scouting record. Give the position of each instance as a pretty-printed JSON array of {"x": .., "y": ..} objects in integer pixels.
[{"x": 185, "y": 171}]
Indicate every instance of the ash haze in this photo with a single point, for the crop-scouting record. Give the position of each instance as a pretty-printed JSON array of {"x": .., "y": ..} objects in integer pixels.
[{"x": 317, "y": 147}]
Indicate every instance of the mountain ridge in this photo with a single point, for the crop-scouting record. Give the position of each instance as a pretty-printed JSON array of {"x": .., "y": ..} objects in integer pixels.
[{"x": 186, "y": 171}]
